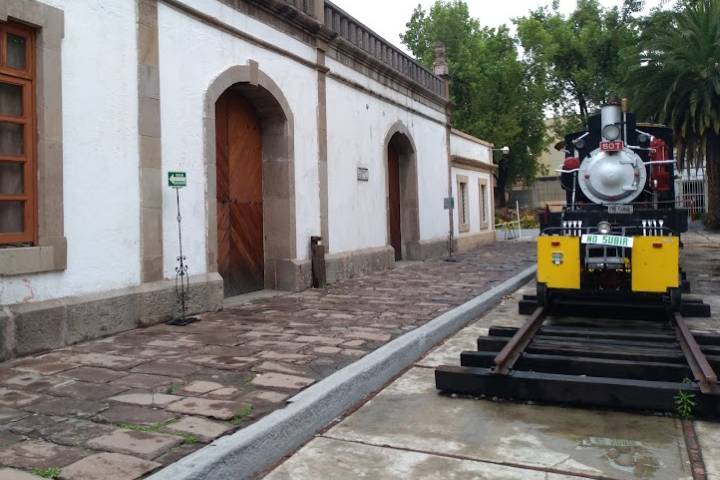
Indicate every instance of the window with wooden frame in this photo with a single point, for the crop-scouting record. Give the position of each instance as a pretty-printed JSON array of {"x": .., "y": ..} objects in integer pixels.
[
  {"x": 484, "y": 217},
  {"x": 18, "y": 223},
  {"x": 463, "y": 213}
]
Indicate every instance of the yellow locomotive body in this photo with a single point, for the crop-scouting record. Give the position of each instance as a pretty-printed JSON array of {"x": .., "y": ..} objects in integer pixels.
[{"x": 651, "y": 263}]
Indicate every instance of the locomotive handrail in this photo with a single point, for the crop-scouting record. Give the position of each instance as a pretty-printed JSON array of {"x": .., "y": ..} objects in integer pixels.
[{"x": 653, "y": 162}]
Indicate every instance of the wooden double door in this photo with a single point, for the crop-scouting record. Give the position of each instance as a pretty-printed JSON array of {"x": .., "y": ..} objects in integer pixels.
[{"x": 241, "y": 259}]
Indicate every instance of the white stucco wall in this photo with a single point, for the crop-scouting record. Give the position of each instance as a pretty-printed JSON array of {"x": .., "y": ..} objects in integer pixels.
[
  {"x": 473, "y": 177},
  {"x": 463, "y": 146},
  {"x": 100, "y": 142},
  {"x": 184, "y": 39},
  {"x": 100, "y": 155},
  {"x": 358, "y": 124}
]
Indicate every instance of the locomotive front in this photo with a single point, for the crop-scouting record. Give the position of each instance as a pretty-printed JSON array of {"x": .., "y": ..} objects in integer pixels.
[{"x": 619, "y": 234}]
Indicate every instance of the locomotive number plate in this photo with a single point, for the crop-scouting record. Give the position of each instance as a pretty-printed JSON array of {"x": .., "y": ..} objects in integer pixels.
[
  {"x": 607, "y": 240},
  {"x": 620, "y": 208},
  {"x": 615, "y": 146}
]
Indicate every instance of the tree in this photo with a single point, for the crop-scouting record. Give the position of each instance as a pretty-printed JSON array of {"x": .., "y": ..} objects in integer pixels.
[
  {"x": 583, "y": 56},
  {"x": 495, "y": 94},
  {"x": 677, "y": 82}
]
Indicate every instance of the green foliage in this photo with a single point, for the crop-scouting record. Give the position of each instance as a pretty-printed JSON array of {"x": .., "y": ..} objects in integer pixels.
[
  {"x": 188, "y": 438},
  {"x": 155, "y": 427},
  {"x": 243, "y": 412},
  {"x": 685, "y": 402},
  {"x": 496, "y": 95},
  {"x": 677, "y": 82},
  {"x": 582, "y": 56},
  {"x": 172, "y": 388},
  {"x": 51, "y": 473}
]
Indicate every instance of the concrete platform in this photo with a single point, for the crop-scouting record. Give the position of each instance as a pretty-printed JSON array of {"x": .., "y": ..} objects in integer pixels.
[
  {"x": 328, "y": 458},
  {"x": 411, "y": 415}
]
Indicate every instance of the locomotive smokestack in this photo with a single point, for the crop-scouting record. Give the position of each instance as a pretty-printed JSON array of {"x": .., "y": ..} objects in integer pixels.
[{"x": 611, "y": 115}]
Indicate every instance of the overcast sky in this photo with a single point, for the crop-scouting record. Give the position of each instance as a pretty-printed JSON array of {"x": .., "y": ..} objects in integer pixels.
[{"x": 388, "y": 17}]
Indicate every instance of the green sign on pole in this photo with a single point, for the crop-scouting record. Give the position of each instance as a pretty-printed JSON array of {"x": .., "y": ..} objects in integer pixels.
[{"x": 177, "y": 179}]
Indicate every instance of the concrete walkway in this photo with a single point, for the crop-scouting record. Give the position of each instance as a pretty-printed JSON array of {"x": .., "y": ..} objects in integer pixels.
[
  {"x": 410, "y": 431},
  {"x": 123, "y": 406}
]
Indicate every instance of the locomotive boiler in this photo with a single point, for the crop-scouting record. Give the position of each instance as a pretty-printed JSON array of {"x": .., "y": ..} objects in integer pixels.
[{"x": 619, "y": 234}]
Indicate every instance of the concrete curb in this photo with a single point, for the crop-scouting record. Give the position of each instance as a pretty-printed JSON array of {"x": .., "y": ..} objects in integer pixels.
[{"x": 261, "y": 445}]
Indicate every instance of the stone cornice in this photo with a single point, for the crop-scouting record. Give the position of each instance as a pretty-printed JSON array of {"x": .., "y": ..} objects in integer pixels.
[{"x": 469, "y": 163}]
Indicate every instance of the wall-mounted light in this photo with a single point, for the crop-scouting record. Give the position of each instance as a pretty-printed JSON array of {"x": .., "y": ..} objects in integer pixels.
[{"x": 505, "y": 150}]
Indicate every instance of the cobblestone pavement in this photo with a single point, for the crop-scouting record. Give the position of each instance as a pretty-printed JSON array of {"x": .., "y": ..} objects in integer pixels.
[{"x": 123, "y": 406}]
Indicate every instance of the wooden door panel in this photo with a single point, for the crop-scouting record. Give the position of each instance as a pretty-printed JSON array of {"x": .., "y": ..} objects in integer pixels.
[
  {"x": 246, "y": 239},
  {"x": 244, "y": 152},
  {"x": 221, "y": 148},
  {"x": 239, "y": 195},
  {"x": 394, "y": 201}
]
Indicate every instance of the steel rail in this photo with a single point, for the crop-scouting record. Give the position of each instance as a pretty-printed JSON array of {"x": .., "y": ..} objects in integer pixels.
[
  {"x": 698, "y": 363},
  {"x": 506, "y": 358}
]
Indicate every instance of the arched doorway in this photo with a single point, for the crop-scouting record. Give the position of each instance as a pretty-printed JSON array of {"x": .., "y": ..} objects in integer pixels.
[
  {"x": 238, "y": 140},
  {"x": 250, "y": 182},
  {"x": 402, "y": 193}
]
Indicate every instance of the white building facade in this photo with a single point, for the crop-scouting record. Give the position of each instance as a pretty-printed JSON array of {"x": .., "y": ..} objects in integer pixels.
[{"x": 291, "y": 119}]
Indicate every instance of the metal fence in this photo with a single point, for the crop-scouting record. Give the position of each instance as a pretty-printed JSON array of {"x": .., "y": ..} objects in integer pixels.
[{"x": 691, "y": 191}]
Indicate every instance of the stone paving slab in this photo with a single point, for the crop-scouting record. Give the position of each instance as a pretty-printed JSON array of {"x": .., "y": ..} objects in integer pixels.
[
  {"x": 108, "y": 466},
  {"x": 147, "y": 445},
  {"x": 235, "y": 366},
  {"x": 13, "y": 474},
  {"x": 204, "y": 430},
  {"x": 39, "y": 454}
]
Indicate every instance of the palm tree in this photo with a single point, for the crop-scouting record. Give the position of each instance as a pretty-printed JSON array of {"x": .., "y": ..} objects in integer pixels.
[{"x": 677, "y": 82}]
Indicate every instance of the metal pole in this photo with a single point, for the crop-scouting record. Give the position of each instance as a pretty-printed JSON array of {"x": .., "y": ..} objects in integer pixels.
[
  {"x": 451, "y": 213},
  {"x": 181, "y": 258},
  {"x": 517, "y": 213},
  {"x": 182, "y": 282}
]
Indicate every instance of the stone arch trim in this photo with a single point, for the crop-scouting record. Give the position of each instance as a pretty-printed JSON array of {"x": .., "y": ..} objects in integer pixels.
[
  {"x": 400, "y": 135},
  {"x": 281, "y": 269}
]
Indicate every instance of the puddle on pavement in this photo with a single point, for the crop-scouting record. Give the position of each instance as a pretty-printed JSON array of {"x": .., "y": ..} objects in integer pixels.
[{"x": 629, "y": 456}]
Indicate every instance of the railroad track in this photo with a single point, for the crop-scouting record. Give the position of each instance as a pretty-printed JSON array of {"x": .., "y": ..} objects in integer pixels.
[{"x": 639, "y": 368}]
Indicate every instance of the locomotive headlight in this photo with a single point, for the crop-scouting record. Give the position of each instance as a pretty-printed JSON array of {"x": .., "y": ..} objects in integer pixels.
[
  {"x": 603, "y": 227},
  {"x": 611, "y": 132}
]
